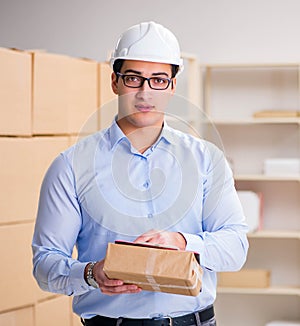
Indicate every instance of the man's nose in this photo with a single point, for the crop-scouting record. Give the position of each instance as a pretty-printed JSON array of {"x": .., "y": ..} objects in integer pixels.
[
  {"x": 146, "y": 85},
  {"x": 145, "y": 90}
]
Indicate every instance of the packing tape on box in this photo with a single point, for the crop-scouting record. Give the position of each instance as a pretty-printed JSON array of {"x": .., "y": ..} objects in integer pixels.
[
  {"x": 150, "y": 268},
  {"x": 157, "y": 287},
  {"x": 151, "y": 261}
]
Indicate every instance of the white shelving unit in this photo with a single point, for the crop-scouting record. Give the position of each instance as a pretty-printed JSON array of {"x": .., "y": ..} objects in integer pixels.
[
  {"x": 185, "y": 110},
  {"x": 232, "y": 94},
  {"x": 269, "y": 234},
  {"x": 290, "y": 291}
]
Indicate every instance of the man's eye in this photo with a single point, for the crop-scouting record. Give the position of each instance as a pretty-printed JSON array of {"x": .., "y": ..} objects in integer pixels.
[
  {"x": 160, "y": 81},
  {"x": 133, "y": 79}
]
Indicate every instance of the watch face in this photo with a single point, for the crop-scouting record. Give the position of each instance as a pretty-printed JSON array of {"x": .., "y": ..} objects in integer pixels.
[
  {"x": 90, "y": 278},
  {"x": 93, "y": 283}
]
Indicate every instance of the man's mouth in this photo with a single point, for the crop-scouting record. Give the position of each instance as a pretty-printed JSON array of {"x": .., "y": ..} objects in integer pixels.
[{"x": 144, "y": 107}]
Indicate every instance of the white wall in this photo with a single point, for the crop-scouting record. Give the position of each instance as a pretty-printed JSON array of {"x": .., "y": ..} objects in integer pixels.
[{"x": 214, "y": 30}]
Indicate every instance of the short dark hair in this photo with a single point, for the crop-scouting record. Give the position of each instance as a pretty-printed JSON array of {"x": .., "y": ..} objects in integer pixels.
[{"x": 117, "y": 66}]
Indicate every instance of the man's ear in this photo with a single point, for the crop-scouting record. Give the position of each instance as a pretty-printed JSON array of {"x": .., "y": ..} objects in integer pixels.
[
  {"x": 114, "y": 83},
  {"x": 173, "y": 85}
]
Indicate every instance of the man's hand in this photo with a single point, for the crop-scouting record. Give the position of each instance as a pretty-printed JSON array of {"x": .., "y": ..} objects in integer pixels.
[
  {"x": 110, "y": 287},
  {"x": 164, "y": 238}
]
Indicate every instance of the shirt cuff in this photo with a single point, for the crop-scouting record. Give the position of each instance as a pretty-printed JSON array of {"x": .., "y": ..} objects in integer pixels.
[
  {"x": 78, "y": 284},
  {"x": 195, "y": 243}
]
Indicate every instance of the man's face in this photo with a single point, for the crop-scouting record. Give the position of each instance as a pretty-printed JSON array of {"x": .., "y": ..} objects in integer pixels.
[{"x": 142, "y": 106}]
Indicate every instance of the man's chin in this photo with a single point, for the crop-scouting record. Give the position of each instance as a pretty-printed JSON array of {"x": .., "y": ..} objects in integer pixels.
[{"x": 145, "y": 119}]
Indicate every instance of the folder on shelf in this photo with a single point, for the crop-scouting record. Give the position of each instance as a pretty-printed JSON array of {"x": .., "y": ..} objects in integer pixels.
[
  {"x": 245, "y": 278},
  {"x": 277, "y": 114}
]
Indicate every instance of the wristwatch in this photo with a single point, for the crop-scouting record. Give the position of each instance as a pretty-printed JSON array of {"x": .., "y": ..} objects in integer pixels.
[{"x": 90, "y": 276}]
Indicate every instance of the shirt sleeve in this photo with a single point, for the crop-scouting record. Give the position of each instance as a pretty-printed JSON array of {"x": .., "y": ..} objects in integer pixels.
[
  {"x": 57, "y": 226},
  {"x": 223, "y": 243}
]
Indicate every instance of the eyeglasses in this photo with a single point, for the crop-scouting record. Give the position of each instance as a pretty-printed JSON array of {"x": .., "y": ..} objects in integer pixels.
[{"x": 135, "y": 81}]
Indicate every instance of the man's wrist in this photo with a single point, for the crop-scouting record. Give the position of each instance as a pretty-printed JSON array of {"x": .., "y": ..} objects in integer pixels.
[{"x": 89, "y": 275}]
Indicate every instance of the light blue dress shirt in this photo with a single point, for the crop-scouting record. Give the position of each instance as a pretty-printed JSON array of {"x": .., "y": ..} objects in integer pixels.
[{"x": 102, "y": 189}]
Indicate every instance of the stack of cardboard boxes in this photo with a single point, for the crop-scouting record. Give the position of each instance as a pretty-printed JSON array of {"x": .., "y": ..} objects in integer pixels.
[{"x": 46, "y": 100}]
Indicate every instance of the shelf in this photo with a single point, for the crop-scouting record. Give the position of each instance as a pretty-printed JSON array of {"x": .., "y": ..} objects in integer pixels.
[
  {"x": 252, "y": 110},
  {"x": 262, "y": 177},
  {"x": 252, "y": 65},
  {"x": 290, "y": 291},
  {"x": 273, "y": 234},
  {"x": 256, "y": 121}
]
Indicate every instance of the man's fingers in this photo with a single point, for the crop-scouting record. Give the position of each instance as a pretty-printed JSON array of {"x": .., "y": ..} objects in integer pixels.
[
  {"x": 148, "y": 236},
  {"x": 112, "y": 283},
  {"x": 129, "y": 288}
]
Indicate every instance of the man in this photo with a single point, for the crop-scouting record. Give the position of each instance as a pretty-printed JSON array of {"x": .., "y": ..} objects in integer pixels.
[{"x": 139, "y": 180}]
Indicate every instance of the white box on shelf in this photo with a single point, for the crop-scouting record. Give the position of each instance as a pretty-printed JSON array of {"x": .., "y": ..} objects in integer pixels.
[
  {"x": 283, "y": 323},
  {"x": 252, "y": 206},
  {"x": 282, "y": 166}
]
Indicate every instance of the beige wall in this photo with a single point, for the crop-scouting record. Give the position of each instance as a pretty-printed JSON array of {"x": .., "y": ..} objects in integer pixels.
[{"x": 216, "y": 31}]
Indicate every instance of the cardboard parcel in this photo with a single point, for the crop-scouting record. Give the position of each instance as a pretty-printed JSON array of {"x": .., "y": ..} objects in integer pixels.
[{"x": 154, "y": 268}]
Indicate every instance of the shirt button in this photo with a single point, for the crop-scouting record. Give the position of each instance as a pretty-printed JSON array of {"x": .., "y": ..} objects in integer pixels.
[
  {"x": 150, "y": 215},
  {"x": 146, "y": 184}
]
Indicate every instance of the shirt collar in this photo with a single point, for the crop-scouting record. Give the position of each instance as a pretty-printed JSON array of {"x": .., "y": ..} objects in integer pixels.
[
  {"x": 167, "y": 133},
  {"x": 117, "y": 135}
]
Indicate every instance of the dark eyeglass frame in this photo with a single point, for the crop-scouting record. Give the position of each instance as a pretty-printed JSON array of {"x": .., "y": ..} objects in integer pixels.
[{"x": 143, "y": 79}]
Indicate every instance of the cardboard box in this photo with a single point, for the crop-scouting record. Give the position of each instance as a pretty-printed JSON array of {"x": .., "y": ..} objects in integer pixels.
[
  {"x": 23, "y": 164},
  {"x": 154, "y": 268},
  {"x": 245, "y": 278},
  {"x": 17, "y": 285},
  {"x": 108, "y": 105},
  {"x": 17, "y": 196},
  {"x": 18, "y": 317},
  {"x": 65, "y": 94},
  {"x": 15, "y": 92},
  {"x": 56, "y": 311},
  {"x": 76, "y": 320}
]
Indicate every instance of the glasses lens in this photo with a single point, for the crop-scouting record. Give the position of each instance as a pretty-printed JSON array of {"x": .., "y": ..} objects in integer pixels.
[
  {"x": 159, "y": 83},
  {"x": 133, "y": 81}
]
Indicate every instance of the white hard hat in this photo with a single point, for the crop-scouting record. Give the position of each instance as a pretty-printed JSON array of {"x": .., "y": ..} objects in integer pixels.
[{"x": 148, "y": 41}]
